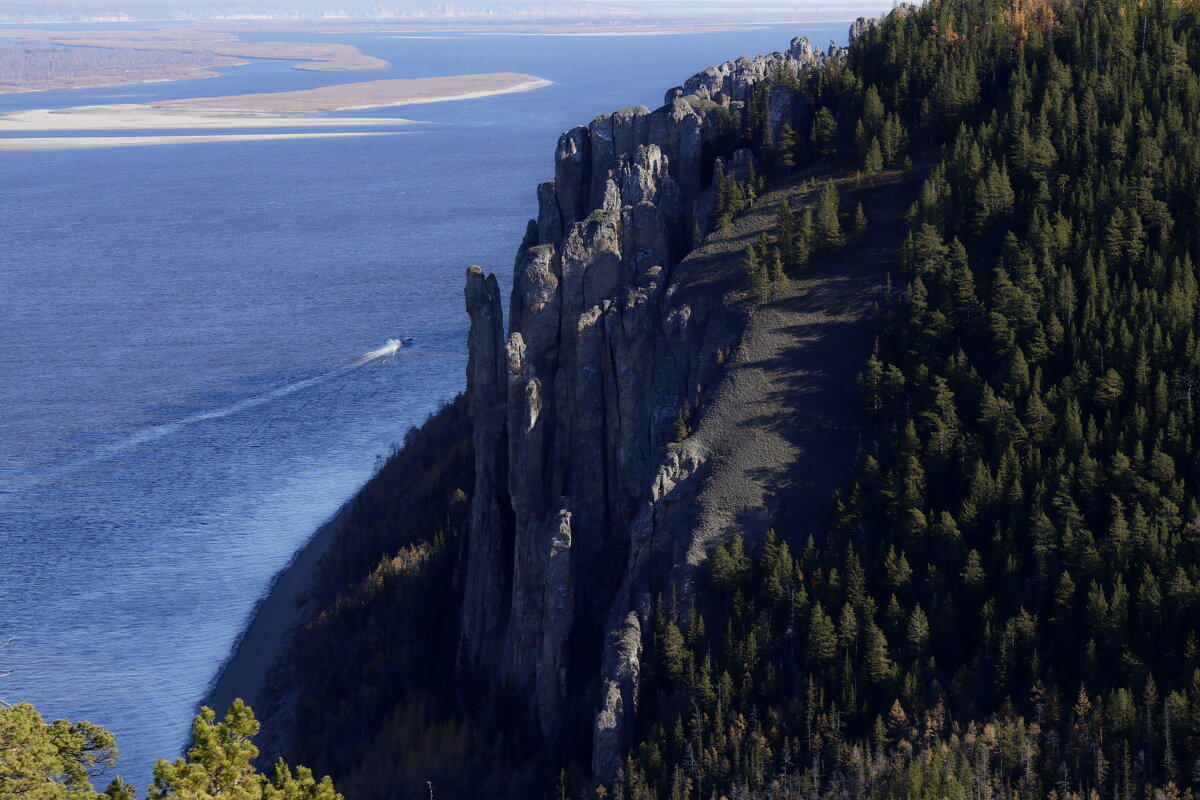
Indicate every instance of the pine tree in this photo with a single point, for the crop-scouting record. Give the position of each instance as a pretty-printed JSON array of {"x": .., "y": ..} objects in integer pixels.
[
  {"x": 777, "y": 273},
  {"x": 877, "y": 663},
  {"x": 805, "y": 235},
  {"x": 54, "y": 760},
  {"x": 58, "y": 760},
  {"x": 822, "y": 636},
  {"x": 757, "y": 280},
  {"x": 673, "y": 650},
  {"x": 873, "y": 158},
  {"x": 828, "y": 228},
  {"x": 220, "y": 764},
  {"x": 918, "y": 633},
  {"x": 785, "y": 149},
  {"x": 729, "y": 566},
  {"x": 858, "y": 228},
  {"x": 825, "y": 133},
  {"x": 892, "y": 140},
  {"x": 683, "y": 422},
  {"x": 775, "y": 565},
  {"x": 873, "y": 111},
  {"x": 785, "y": 225},
  {"x": 728, "y": 201}
]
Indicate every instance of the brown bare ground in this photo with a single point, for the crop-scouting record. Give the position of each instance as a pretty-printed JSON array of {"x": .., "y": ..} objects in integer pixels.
[{"x": 394, "y": 92}]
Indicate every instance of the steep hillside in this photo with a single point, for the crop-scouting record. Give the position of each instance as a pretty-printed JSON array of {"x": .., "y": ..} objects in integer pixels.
[{"x": 1004, "y": 603}]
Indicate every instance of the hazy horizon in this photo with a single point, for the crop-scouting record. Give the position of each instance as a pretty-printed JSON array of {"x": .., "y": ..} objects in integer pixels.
[{"x": 134, "y": 10}]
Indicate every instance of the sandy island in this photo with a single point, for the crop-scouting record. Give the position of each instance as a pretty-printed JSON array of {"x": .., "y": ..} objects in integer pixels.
[
  {"x": 273, "y": 110},
  {"x": 370, "y": 94}
]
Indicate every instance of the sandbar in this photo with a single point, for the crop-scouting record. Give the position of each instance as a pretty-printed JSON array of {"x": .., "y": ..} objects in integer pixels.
[
  {"x": 137, "y": 116},
  {"x": 272, "y": 110},
  {"x": 83, "y": 142},
  {"x": 369, "y": 94}
]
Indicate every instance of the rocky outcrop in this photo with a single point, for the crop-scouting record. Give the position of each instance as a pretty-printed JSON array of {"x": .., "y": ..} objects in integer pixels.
[
  {"x": 577, "y": 475},
  {"x": 733, "y": 81},
  {"x": 864, "y": 24},
  {"x": 485, "y": 606},
  {"x": 861, "y": 26}
]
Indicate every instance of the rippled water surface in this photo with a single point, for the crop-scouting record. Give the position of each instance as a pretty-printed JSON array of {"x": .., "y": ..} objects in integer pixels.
[{"x": 183, "y": 390}]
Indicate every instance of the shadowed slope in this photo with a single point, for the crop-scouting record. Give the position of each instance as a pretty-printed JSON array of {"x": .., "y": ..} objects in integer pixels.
[{"x": 781, "y": 427}]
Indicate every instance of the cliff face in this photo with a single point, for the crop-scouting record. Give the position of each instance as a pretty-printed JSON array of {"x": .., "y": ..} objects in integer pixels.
[{"x": 577, "y": 475}]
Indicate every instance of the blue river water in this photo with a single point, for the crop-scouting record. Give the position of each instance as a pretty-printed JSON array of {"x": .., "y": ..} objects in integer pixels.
[{"x": 183, "y": 394}]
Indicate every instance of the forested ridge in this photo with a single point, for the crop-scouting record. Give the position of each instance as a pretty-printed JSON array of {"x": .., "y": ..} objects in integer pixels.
[{"x": 1006, "y": 604}]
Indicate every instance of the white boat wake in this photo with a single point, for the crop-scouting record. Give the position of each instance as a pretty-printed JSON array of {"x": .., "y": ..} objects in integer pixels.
[{"x": 388, "y": 349}]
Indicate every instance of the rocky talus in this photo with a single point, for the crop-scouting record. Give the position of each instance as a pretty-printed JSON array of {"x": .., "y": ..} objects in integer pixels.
[{"x": 613, "y": 329}]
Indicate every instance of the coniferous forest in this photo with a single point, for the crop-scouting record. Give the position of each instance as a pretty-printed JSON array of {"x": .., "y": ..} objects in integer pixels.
[{"x": 1006, "y": 604}]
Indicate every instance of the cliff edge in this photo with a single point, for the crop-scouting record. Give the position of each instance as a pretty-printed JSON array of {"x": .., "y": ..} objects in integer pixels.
[{"x": 586, "y": 497}]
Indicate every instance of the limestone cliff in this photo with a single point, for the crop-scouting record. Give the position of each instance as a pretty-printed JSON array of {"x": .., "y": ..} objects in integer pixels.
[{"x": 576, "y": 467}]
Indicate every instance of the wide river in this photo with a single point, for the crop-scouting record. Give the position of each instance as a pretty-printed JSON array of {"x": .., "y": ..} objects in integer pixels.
[{"x": 183, "y": 397}]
